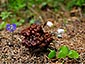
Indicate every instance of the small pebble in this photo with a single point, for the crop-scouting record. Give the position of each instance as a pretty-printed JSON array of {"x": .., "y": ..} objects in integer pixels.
[
  {"x": 10, "y": 44},
  {"x": 50, "y": 24},
  {"x": 60, "y": 31},
  {"x": 59, "y": 35}
]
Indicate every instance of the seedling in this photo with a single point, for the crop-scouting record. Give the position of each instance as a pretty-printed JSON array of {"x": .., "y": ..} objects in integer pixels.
[
  {"x": 73, "y": 54},
  {"x": 32, "y": 21},
  {"x": 21, "y": 21},
  {"x": 5, "y": 15},
  {"x": 16, "y": 5},
  {"x": 52, "y": 54},
  {"x": 18, "y": 23},
  {"x": 64, "y": 51}
]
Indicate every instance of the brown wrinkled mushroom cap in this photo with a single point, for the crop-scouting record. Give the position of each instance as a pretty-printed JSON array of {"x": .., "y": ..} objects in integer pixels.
[{"x": 36, "y": 37}]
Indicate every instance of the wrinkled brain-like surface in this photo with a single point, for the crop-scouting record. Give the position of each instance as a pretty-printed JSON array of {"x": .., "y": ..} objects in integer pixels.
[{"x": 36, "y": 37}]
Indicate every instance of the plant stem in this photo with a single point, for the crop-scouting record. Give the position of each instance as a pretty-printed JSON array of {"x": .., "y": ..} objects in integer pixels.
[
  {"x": 49, "y": 49},
  {"x": 12, "y": 36},
  {"x": 63, "y": 62}
]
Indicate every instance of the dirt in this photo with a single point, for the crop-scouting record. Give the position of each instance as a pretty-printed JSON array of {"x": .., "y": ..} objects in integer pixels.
[{"x": 13, "y": 52}]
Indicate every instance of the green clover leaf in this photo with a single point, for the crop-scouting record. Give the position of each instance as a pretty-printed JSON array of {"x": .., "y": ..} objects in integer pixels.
[
  {"x": 63, "y": 51},
  {"x": 73, "y": 54},
  {"x": 52, "y": 54}
]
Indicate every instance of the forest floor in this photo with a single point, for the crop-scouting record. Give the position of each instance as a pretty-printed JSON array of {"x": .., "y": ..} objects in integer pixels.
[{"x": 13, "y": 52}]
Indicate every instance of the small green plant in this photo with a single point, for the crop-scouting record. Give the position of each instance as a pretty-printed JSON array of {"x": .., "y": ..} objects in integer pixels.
[
  {"x": 72, "y": 3},
  {"x": 64, "y": 51},
  {"x": 52, "y": 54},
  {"x": 4, "y": 15},
  {"x": 2, "y": 25},
  {"x": 18, "y": 23},
  {"x": 73, "y": 54},
  {"x": 32, "y": 21},
  {"x": 16, "y": 5}
]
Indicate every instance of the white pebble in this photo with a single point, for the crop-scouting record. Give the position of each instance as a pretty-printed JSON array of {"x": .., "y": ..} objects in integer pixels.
[
  {"x": 50, "y": 24},
  {"x": 60, "y": 31},
  {"x": 59, "y": 35}
]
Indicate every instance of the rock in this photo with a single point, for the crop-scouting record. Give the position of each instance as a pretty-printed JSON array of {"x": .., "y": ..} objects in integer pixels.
[
  {"x": 50, "y": 24},
  {"x": 60, "y": 31},
  {"x": 59, "y": 35}
]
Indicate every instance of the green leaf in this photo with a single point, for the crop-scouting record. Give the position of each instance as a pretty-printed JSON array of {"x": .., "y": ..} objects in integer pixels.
[
  {"x": 5, "y": 15},
  {"x": 44, "y": 3},
  {"x": 3, "y": 25},
  {"x": 63, "y": 52},
  {"x": 32, "y": 21},
  {"x": 21, "y": 21},
  {"x": 52, "y": 54},
  {"x": 73, "y": 54},
  {"x": 13, "y": 20},
  {"x": 18, "y": 23}
]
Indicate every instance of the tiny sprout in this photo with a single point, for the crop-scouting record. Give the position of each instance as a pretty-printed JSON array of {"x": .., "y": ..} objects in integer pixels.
[
  {"x": 65, "y": 51},
  {"x": 52, "y": 54},
  {"x": 73, "y": 54}
]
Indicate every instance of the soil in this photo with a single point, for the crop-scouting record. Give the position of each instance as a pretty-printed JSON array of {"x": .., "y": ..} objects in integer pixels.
[{"x": 13, "y": 52}]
